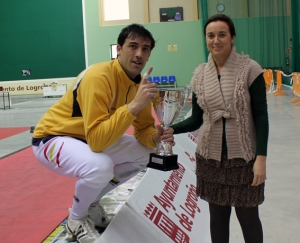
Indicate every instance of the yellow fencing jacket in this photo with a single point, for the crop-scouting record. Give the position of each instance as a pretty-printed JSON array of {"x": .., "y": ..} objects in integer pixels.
[{"x": 94, "y": 109}]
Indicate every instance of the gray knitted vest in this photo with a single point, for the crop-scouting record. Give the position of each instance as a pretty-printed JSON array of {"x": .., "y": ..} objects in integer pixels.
[{"x": 228, "y": 98}]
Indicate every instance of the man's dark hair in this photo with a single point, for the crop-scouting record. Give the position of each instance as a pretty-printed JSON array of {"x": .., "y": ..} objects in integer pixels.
[
  {"x": 224, "y": 18},
  {"x": 134, "y": 30}
]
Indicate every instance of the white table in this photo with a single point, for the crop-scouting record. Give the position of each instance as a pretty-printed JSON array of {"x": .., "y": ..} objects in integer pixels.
[{"x": 55, "y": 90}]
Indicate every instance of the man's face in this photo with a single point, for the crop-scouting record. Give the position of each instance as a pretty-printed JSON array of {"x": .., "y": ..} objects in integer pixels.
[{"x": 133, "y": 55}]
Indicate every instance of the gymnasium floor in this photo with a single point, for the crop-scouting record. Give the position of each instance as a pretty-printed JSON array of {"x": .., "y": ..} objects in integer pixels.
[{"x": 280, "y": 213}]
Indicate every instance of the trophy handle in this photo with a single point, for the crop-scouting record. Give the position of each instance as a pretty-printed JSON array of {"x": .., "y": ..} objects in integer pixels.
[{"x": 187, "y": 88}]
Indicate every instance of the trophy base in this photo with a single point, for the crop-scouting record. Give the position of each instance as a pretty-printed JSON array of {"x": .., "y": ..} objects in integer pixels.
[{"x": 163, "y": 162}]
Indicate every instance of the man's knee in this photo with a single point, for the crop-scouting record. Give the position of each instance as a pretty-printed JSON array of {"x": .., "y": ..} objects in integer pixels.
[
  {"x": 142, "y": 154},
  {"x": 143, "y": 161},
  {"x": 99, "y": 173}
]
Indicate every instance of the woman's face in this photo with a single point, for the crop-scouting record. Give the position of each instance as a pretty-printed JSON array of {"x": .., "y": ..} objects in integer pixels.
[{"x": 218, "y": 39}]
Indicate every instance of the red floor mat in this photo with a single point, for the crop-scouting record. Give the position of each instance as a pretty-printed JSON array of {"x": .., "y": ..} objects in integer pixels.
[
  {"x": 6, "y": 132},
  {"x": 33, "y": 200}
]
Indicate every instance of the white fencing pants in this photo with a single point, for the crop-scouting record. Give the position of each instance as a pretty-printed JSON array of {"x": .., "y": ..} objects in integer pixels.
[{"x": 95, "y": 171}]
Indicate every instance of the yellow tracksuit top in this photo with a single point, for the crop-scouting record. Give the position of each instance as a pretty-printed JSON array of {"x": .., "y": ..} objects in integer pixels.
[{"x": 94, "y": 109}]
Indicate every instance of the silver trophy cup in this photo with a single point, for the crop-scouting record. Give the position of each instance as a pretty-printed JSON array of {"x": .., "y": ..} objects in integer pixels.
[{"x": 167, "y": 106}]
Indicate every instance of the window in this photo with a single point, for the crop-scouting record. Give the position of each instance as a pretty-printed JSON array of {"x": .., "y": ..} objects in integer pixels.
[
  {"x": 115, "y": 10},
  {"x": 125, "y": 12},
  {"x": 121, "y": 12}
]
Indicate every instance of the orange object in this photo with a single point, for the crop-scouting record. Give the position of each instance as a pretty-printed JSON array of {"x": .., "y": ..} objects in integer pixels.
[
  {"x": 296, "y": 88},
  {"x": 279, "y": 91},
  {"x": 268, "y": 76}
]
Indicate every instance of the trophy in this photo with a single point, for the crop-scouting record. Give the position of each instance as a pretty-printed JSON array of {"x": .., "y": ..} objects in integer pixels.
[{"x": 167, "y": 104}]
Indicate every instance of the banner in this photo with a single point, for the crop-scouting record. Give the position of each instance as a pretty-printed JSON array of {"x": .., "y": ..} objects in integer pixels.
[
  {"x": 32, "y": 87},
  {"x": 164, "y": 206}
]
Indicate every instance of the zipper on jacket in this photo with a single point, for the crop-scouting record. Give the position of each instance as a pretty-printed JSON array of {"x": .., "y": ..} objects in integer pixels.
[{"x": 127, "y": 94}]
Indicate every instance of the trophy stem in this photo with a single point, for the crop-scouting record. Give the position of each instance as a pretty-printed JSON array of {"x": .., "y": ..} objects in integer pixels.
[
  {"x": 164, "y": 148},
  {"x": 166, "y": 127}
]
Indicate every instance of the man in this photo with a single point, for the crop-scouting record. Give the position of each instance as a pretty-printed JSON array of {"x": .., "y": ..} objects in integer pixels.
[{"x": 82, "y": 135}]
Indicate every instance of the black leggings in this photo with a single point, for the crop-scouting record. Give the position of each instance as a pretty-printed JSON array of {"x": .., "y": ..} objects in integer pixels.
[{"x": 248, "y": 219}]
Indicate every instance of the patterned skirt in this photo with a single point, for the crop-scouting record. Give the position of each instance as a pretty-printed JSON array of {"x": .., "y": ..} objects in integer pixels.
[{"x": 227, "y": 183}]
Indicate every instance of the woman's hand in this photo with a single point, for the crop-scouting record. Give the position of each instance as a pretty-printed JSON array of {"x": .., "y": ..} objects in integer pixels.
[
  {"x": 168, "y": 136},
  {"x": 259, "y": 170}
]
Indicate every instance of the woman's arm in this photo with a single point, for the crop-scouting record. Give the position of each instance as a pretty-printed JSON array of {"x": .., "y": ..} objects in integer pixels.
[
  {"x": 190, "y": 124},
  {"x": 193, "y": 122},
  {"x": 261, "y": 121}
]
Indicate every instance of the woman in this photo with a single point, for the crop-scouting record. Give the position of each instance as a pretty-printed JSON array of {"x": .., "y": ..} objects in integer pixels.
[{"x": 229, "y": 105}]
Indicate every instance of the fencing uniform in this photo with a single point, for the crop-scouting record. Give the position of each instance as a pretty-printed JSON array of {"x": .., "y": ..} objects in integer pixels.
[{"x": 82, "y": 135}]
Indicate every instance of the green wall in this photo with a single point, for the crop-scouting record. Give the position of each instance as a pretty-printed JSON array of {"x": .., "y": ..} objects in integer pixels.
[
  {"x": 263, "y": 43},
  {"x": 43, "y": 36},
  {"x": 187, "y": 35},
  {"x": 47, "y": 37}
]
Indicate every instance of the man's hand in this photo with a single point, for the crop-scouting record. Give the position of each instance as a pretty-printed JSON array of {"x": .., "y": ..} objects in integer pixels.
[
  {"x": 259, "y": 170},
  {"x": 144, "y": 94},
  {"x": 157, "y": 136}
]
